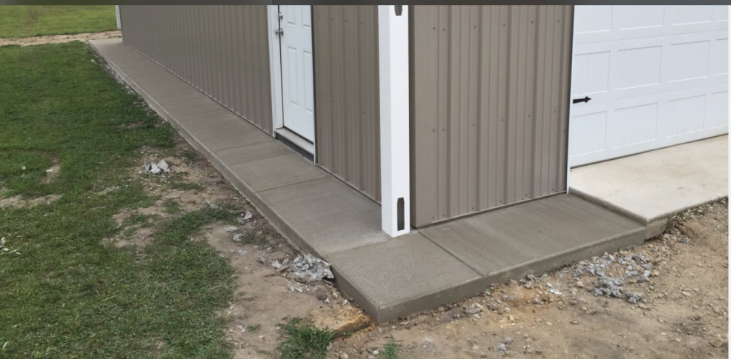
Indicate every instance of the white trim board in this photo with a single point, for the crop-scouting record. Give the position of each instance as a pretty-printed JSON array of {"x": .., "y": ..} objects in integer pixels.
[
  {"x": 275, "y": 66},
  {"x": 393, "y": 68}
]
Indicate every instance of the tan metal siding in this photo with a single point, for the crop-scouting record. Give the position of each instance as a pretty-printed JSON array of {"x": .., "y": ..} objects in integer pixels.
[
  {"x": 490, "y": 101},
  {"x": 222, "y": 50},
  {"x": 346, "y": 88}
]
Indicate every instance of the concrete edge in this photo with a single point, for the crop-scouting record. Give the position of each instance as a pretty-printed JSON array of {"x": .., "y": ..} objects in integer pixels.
[
  {"x": 280, "y": 225},
  {"x": 655, "y": 225},
  {"x": 614, "y": 208},
  {"x": 386, "y": 313},
  {"x": 573, "y": 255}
]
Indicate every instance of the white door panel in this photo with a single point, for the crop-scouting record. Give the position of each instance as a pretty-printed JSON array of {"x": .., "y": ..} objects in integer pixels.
[
  {"x": 656, "y": 76},
  {"x": 297, "y": 72}
]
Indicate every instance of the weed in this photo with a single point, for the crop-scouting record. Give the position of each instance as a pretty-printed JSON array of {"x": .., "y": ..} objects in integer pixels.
[
  {"x": 136, "y": 218},
  {"x": 171, "y": 206},
  {"x": 303, "y": 341},
  {"x": 253, "y": 239},
  {"x": 185, "y": 186},
  {"x": 253, "y": 328},
  {"x": 391, "y": 350}
]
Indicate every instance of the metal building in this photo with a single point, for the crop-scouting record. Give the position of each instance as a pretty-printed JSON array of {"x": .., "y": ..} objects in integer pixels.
[{"x": 438, "y": 112}]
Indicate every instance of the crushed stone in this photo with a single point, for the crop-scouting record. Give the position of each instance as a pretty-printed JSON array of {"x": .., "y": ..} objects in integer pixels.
[{"x": 308, "y": 268}]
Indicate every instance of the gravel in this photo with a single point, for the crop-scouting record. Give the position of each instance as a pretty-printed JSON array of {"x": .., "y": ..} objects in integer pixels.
[{"x": 308, "y": 269}]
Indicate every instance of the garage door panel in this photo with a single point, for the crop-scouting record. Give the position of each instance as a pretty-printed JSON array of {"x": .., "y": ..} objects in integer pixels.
[
  {"x": 628, "y": 126},
  {"x": 717, "y": 115},
  {"x": 629, "y": 68},
  {"x": 719, "y": 57},
  {"x": 720, "y": 13},
  {"x": 613, "y": 23},
  {"x": 682, "y": 116},
  {"x": 657, "y": 76}
]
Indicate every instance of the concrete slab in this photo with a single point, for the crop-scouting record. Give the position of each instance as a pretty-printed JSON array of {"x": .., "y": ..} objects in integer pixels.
[
  {"x": 225, "y": 132},
  {"x": 268, "y": 165},
  {"x": 331, "y": 216},
  {"x": 196, "y": 109},
  {"x": 536, "y": 236},
  {"x": 653, "y": 186},
  {"x": 322, "y": 215},
  {"x": 403, "y": 275}
]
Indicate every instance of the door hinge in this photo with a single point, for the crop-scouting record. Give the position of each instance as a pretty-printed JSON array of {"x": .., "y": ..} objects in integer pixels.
[
  {"x": 279, "y": 31},
  {"x": 585, "y": 99},
  {"x": 281, "y": 15}
]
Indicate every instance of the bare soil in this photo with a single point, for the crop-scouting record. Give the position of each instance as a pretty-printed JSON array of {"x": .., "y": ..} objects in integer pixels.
[
  {"x": 683, "y": 312},
  {"x": 58, "y": 39}
]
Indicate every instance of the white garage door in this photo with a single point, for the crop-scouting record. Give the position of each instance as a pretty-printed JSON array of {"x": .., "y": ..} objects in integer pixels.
[{"x": 656, "y": 75}]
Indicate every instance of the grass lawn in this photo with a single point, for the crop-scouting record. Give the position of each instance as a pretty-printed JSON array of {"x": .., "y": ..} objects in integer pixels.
[
  {"x": 67, "y": 294},
  {"x": 36, "y": 20}
]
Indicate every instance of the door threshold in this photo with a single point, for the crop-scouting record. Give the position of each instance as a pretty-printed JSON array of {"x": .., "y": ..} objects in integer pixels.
[{"x": 297, "y": 143}]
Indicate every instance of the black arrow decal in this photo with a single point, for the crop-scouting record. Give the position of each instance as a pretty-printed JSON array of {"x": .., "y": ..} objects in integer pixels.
[{"x": 585, "y": 99}]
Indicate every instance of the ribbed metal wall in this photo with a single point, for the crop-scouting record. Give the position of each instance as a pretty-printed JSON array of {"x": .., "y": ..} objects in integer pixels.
[
  {"x": 221, "y": 50},
  {"x": 346, "y": 89},
  {"x": 490, "y": 97}
]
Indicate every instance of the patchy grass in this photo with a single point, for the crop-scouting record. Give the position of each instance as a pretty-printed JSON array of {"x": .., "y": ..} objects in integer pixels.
[
  {"x": 37, "y": 20},
  {"x": 254, "y": 239},
  {"x": 68, "y": 294},
  {"x": 391, "y": 350},
  {"x": 253, "y": 328},
  {"x": 303, "y": 341}
]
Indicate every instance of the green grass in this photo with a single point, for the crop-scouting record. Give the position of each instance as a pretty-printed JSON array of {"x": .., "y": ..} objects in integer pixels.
[
  {"x": 391, "y": 350},
  {"x": 253, "y": 328},
  {"x": 68, "y": 294},
  {"x": 37, "y": 20},
  {"x": 303, "y": 341}
]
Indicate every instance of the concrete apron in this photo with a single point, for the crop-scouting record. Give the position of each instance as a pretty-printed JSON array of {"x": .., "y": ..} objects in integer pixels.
[
  {"x": 653, "y": 186},
  {"x": 389, "y": 278}
]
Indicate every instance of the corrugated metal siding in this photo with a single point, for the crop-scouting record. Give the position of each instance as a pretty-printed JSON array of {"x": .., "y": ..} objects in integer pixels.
[
  {"x": 490, "y": 97},
  {"x": 346, "y": 88},
  {"x": 221, "y": 50}
]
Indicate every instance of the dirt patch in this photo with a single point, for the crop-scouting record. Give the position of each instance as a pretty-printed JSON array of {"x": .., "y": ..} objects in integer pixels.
[
  {"x": 58, "y": 39},
  {"x": 18, "y": 201},
  {"x": 265, "y": 297},
  {"x": 683, "y": 311},
  {"x": 53, "y": 171}
]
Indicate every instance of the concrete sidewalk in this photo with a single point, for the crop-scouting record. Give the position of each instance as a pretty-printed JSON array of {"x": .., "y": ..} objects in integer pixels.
[
  {"x": 653, "y": 186},
  {"x": 388, "y": 277}
]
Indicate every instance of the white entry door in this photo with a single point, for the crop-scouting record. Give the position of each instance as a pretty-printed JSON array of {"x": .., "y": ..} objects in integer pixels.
[
  {"x": 656, "y": 76},
  {"x": 297, "y": 72}
]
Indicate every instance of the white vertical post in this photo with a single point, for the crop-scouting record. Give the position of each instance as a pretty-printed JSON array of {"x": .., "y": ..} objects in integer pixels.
[
  {"x": 119, "y": 20},
  {"x": 393, "y": 63}
]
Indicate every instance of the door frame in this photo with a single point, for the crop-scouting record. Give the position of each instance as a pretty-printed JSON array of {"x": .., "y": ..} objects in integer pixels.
[{"x": 275, "y": 73}]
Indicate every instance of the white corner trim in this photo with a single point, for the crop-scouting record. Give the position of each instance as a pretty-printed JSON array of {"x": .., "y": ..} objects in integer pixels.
[
  {"x": 275, "y": 67},
  {"x": 393, "y": 64},
  {"x": 571, "y": 108},
  {"x": 119, "y": 20}
]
